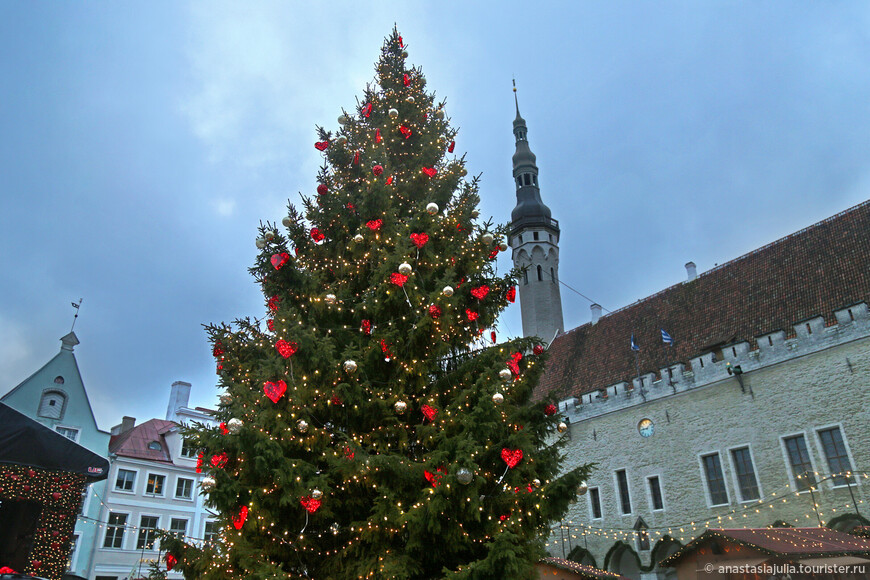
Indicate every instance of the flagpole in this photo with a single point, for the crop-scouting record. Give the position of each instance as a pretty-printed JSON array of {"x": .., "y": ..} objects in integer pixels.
[
  {"x": 76, "y": 306},
  {"x": 636, "y": 350}
]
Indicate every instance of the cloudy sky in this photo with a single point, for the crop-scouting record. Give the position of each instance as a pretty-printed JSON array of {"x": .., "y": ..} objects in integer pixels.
[{"x": 142, "y": 143}]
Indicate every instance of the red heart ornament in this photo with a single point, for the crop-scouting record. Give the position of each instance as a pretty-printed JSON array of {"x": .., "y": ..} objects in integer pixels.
[
  {"x": 310, "y": 504},
  {"x": 398, "y": 279},
  {"x": 171, "y": 561},
  {"x": 321, "y": 145},
  {"x": 270, "y": 324},
  {"x": 286, "y": 349},
  {"x": 223, "y": 428},
  {"x": 31, "y": 473},
  {"x": 406, "y": 79},
  {"x": 511, "y": 456},
  {"x": 405, "y": 131},
  {"x": 451, "y": 146},
  {"x": 429, "y": 412},
  {"x": 420, "y": 239},
  {"x": 36, "y": 564},
  {"x": 356, "y": 158},
  {"x": 322, "y": 189},
  {"x": 56, "y": 496},
  {"x": 378, "y": 136},
  {"x": 273, "y": 303},
  {"x": 374, "y": 225},
  {"x": 317, "y": 235},
  {"x": 471, "y": 315},
  {"x": 492, "y": 336},
  {"x": 239, "y": 519},
  {"x": 367, "y": 110},
  {"x": 366, "y": 327},
  {"x": 390, "y": 180},
  {"x": 480, "y": 292},
  {"x": 434, "y": 478},
  {"x": 430, "y": 171},
  {"x": 275, "y": 390},
  {"x": 278, "y": 260},
  {"x": 220, "y": 460}
]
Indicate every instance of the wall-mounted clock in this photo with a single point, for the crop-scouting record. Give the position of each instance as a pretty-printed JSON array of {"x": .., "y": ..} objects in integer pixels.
[{"x": 646, "y": 428}]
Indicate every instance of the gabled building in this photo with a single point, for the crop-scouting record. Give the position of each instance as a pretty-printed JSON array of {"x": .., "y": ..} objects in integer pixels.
[
  {"x": 55, "y": 396},
  {"x": 153, "y": 484},
  {"x": 745, "y": 402}
]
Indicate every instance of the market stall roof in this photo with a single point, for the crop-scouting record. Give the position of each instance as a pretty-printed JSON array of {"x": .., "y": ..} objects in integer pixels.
[
  {"x": 24, "y": 441},
  {"x": 580, "y": 571}
]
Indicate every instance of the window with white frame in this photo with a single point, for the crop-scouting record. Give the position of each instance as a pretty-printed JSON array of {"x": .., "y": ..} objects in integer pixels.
[
  {"x": 68, "y": 432},
  {"x": 184, "y": 488},
  {"x": 622, "y": 491},
  {"x": 147, "y": 532},
  {"x": 126, "y": 480},
  {"x": 836, "y": 454},
  {"x": 715, "y": 479},
  {"x": 655, "y": 493},
  {"x": 747, "y": 483},
  {"x": 178, "y": 527},
  {"x": 799, "y": 461},
  {"x": 210, "y": 534},
  {"x": 155, "y": 484},
  {"x": 187, "y": 449},
  {"x": 115, "y": 526},
  {"x": 595, "y": 502},
  {"x": 52, "y": 403}
]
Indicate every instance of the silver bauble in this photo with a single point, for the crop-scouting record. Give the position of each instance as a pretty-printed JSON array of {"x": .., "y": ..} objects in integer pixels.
[
  {"x": 432, "y": 208},
  {"x": 234, "y": 425},
  {"x": 208, "y": 483},
  {"x": 342, "y": 140},
  {"x": 393, "y": 113},
  {"x": 562, "y": 427},
  {"x": 316, "y": 493},
  {"x": 261, "y": 243},
  {"x": 404, "y": 268},
  {"x": 464, "y": 476},
  {"x": 503, "y": 246},
  {"x": 269, "y": 234},
  {"x": 400, "y": 407},
  {"x": 335, "y": 528},
  {"x": 404, "y": 54},
  {"x": 343, "y": 119},
  {"x": 475, "y": 213},
  {"x": 329, "y": 298},
  {"x": 498, "y": 398},
  {"x": 358, "y": 238},
  {"x": 226, "y": 399},
  {"x": 582, "y": 488},
  {"x": 504, "y": 374},
  {"x": 447, "y": 291},
  {"x": 350, "y": 366},
  {"x": 536, "y": 482},
  {"x": 409, "y": 99},
  {"x": 487, "y": 238},
  {"x": 302, "y": 426},
  {"x": 287, "y": 221},
  {"x": 439, "y": 114}
]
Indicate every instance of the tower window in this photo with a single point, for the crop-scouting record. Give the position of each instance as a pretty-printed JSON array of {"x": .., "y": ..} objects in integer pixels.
[
  {"x": 552, "y": 275},
  {"x": 534, "y": 179},
  {"x": 519, "y": 181},
  {"x": 535, "y": 235},
  {"x": 521, "y": 238},
  {"x": 525, "y": 276},
  {"x": 540, "y": 273},
  {"x": 527, "y": 179}
]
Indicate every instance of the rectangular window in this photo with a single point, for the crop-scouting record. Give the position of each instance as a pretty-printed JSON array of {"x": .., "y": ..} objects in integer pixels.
[
  {"x": 147, "y": 533},
  {"x": 595, "y": 502},
  {"x": 184, "y": 488},
  {"x": 71, "y": 434},
  {"x": 187, "y": 449},
  {"x": 746, "y": 480},
  {"x": 655, "y": 493},
  {"x": 155, "y": 484},
  {"x": 799, "y": 459},
  {"x": 115, "y": 530},
  {"x": 835, "y": 453},
  {"x": 715, "y": 479},
  {"x": 178, "y": 527},
  {"x": 622, "y": 488},
  {"x": 126, "y": 479},
  {"x": 211, "y": 531}
]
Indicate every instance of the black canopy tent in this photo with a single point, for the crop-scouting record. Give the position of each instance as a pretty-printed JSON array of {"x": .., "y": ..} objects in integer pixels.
[
  {"x": 25, "y": 442},
  {"x": 42, "y": 477}
]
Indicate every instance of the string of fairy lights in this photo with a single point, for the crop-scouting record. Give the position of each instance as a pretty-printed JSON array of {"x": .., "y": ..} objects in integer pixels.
[{"x": 687, "y": 530}]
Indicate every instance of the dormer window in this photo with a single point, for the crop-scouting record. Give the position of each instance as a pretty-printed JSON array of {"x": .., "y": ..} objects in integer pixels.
[
  {"x": 52, "y": 404},
  {"x": 155, "y": 446}
]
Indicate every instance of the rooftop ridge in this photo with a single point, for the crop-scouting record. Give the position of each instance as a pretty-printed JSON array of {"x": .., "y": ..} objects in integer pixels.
[{"x": 737, "y": 259}]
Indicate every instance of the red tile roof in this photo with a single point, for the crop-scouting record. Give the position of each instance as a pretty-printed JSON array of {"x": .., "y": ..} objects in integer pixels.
[
  {"x": 803, "y": 542},
  {"x": 134, "y": 443},
  {"x": 813, "y": 272}
]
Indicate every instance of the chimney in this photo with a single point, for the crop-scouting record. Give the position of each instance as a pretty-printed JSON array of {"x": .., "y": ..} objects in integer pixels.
[
  {"x": 127, "y": 423},
  {"x": 596, "y": 312},
  {"x": 179, "y": 396},
  {"x": 691, "y": 270}
]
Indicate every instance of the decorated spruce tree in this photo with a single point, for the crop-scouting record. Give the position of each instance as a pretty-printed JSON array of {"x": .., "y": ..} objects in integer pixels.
[{"x": 372, "y": 427}]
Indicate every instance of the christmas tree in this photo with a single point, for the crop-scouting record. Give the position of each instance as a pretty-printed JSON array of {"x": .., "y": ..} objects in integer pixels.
[{"x": 371, "y": 426}]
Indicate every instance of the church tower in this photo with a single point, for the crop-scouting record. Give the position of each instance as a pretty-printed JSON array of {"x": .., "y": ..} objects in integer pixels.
[{"x": 534, "y": 240}]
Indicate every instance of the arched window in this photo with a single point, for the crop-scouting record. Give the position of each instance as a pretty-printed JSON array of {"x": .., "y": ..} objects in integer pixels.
[
  {"x": 52, "y": 404},
  {"x": 519, "y": 181},
  {"x": 540, "y": 273}
]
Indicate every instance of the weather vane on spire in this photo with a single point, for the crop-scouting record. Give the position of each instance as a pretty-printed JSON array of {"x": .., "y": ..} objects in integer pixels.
[{"x": 76, "y": 306}]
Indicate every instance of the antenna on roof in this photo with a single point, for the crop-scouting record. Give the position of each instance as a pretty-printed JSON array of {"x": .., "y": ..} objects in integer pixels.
[{"x": 76, "y": 306}]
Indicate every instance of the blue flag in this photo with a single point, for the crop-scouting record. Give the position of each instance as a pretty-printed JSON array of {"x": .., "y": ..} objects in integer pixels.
[
  {"x": 634, "y": 346},
  {"x": 666, "y": 338}
]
